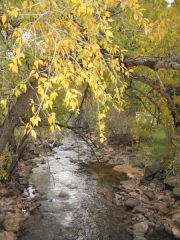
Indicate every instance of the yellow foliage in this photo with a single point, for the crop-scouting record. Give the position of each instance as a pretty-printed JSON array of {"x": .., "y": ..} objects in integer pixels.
[
  {"x": 3, "y": 103},
  {"x": 67, "y": 51},
  {"x": 4, "y": 19},
  {"x": 33, "y": 133}
]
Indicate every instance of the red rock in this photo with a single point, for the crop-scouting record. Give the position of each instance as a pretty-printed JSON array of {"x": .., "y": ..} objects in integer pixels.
[
  {"x": 135, "y": 173},
  {"x": 63, "y": 195}
]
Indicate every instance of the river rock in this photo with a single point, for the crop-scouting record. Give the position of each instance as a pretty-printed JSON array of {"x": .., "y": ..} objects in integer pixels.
[
  {"x": 63, "y": 195},
  {"x": 129, "y": 184},
  {"x": 7, "y": 236},
  {"x": 139, "y": 238},
  {"x": 161, "y": 207},
  {"x": 117, "y": 200},
  {"x": 149, "y": 194},
  {"x": 172, "y": 181},
  {"x": 176, "y": 192},
  {"x": 12, "y": 222},
  {"x": 162, "y": 197},
  {"x": 6, "y": 205},
  {"x": 1, "y": 219},
  {"x": 4, "y": 192},
  {"x": 152, "y": 169},
  {"x": 135, "y": 173},
  {"x": 139, "y": 209},
  {"x": 34, "y": 206},
  {"x": 176, "y": 232},
  {"x": 172, "y": 226},
  {"x": 131, "y": 203},
  {"x": 43, "y": 161},
  {"x": 139, "y": 229}
]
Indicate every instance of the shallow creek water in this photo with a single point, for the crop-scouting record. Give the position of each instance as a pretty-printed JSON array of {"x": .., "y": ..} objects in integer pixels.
[{"x": 87, "y": 212}]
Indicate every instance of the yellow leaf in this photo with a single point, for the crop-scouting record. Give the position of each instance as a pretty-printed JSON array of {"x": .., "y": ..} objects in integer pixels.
[
  {"x": 17, "y": 93},
  {"x": 14, "y": 12},
  {"x": 3, "y": 103},
  {"x": 32, "y": 72},
  {"x": 58, "y": 127},
  {"x": 54, "y": 4},
  {"x": 13, "y": 67},
  {"x": 109, "y": 3},
  {"x": 36, "y": 75},
  {"x": 45, "y": 105},
  {"x": 33, "y": 109},
  {"x": 52, "y": 118},
  {"x": 52, "y": 128},
  {"x": 42, "y": 79},
  {"x": 109, "y": 33},
  {"x": 53, "y": 95},
  {"x": 23, "y": 87},
  {"x": 33, "y": 133},
  {"x": 35, "y": 120},
  {"x": 36, "y": 63},
  {"x": 24, "y": 4},
  {"x": 4, "y": 19}
]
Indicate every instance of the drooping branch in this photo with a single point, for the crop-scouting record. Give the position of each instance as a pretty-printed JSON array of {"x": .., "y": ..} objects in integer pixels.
[{"x": 169, "y": 62}]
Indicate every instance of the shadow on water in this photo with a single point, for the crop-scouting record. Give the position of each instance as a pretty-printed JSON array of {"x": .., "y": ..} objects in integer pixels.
[{"x": 86, "y": 211}]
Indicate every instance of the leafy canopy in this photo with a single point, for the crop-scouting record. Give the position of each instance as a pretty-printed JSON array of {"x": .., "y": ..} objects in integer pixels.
[{"x": 65, "y": 45}]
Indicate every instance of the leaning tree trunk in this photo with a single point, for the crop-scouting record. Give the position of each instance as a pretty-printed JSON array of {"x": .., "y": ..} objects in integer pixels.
[{"x": 11, "y": 121}]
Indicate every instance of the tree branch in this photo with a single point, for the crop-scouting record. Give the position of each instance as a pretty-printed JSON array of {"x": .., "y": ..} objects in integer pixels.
[
  {"x": 156, "y": 85},
  {"x": 170, "y": 62}
]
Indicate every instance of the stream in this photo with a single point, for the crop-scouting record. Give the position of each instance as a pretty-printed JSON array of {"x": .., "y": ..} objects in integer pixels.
[{"x": 77, "y": 201}]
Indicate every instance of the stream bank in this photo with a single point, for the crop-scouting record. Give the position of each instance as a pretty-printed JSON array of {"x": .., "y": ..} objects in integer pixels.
[{"x": 72, "y": 196}]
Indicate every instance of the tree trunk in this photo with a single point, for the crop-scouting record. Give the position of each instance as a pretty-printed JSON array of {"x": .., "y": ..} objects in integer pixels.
[{"x": 11, "y": 121}]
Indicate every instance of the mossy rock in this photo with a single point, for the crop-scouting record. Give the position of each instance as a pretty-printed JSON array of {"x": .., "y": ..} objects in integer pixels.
[
  {"x": 172, "y": 181},
  {"x": 176, "y": 192}
]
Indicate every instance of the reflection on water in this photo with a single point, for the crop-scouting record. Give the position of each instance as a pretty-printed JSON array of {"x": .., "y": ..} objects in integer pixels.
[{"x": 82, "y": 213}]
